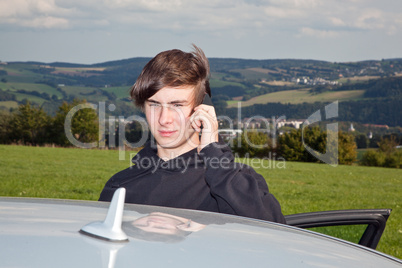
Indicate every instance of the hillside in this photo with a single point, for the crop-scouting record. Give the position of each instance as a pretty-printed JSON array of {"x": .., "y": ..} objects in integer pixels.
[
  {"x": 296, "y": 96},
  {"x": 254, "y": 82}
]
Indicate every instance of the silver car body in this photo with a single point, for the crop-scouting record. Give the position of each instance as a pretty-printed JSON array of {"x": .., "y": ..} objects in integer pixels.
[{"x": 45, "y": 233}]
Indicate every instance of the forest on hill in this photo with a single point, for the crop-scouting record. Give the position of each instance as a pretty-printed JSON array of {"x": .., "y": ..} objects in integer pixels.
[{"x": 377, "y": 86}]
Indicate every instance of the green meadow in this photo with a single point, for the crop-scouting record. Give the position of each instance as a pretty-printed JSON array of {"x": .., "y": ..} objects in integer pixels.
[
  {"x": 72, "y": 173},
  {"x": 41, "y": 88},
  {"x": 216, "y": 83},
  {"x": 297, "y": 96},
  {"x": 9, "y": 104},
  {"x": 120, "y": 92}
]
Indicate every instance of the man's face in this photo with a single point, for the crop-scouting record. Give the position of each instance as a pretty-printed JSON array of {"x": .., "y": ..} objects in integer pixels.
[{"x": 168, "y": 113}]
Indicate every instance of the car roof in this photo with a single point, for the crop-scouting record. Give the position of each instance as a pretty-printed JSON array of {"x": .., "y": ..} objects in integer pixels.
[{"x": 45, "y": 233}]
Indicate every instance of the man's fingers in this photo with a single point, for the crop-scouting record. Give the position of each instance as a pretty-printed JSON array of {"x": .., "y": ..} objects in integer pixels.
[
  {"x": 196, "y": 126},
  {"x": 206, "y": 108},
  {"x": 201, "y": 118}
]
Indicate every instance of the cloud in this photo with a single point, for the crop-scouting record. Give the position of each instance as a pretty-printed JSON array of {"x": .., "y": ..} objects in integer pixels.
[
  {"x": 283, "y": 13},
  {"x": 370, "y": 19},
  {"x": 46, "y": 22},
  {"x": 298, "y": 4},
  {"x": 337, "y": 21},
  {"x": 305, "y": 31},
  {"x": 145, "y": 5},
  {"x": 34, "y": 14},
  {"x": 304, "y": 17}
]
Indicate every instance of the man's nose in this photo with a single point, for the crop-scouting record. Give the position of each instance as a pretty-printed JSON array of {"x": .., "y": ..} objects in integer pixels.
[{"x": 166, "y": 115}]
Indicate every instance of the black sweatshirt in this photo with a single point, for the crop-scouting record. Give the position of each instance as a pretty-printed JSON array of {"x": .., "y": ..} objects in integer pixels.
[{"x": 209, "y": 181}]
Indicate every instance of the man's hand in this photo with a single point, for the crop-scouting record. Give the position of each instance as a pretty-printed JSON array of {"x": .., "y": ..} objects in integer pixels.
[{"x": 205, "y": 116}]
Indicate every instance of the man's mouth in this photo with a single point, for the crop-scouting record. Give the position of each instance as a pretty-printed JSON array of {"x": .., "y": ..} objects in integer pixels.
[{"x": 166, "y": 133}]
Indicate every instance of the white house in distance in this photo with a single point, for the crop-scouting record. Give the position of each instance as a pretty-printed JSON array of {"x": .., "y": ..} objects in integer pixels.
[
  {"x": 229, "y": 133},
  {"x": 293, "y": 123}
]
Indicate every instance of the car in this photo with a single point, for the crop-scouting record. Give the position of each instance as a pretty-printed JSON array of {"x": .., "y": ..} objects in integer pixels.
[{"x": 69, "y": 233}]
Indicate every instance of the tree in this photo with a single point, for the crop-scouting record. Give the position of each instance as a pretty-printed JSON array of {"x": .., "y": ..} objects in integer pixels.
[
  {"x": 361, "y": 141},
  {"x": 388, "y": 145},
  {"x": 291, "y": 147},
  {"x": 5, "y": 119},
  {"x": 84, "y": 124},
  {"x": 252, "y": 144},
  {"x": 29, "y": 125},
  {"x": 387, "y": 155},
  {"x": 347, "y": 153}
]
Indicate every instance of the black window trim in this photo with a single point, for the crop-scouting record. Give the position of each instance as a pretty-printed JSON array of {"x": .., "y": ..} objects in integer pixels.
[{"x": 374, "y": 218}]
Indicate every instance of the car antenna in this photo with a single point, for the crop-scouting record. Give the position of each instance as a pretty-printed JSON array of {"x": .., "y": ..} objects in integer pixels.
[{"x": 110, "y": 228}]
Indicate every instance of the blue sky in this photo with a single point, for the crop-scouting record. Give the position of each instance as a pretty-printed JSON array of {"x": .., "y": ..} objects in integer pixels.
[{"x": 93, "y": 31}]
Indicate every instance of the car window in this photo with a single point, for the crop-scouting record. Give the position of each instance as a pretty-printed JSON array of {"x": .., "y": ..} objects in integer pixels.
[{"x": 351, "y": 233}]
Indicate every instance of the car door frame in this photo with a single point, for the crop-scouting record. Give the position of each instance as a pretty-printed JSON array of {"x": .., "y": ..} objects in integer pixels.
[{"x": 375, "y": 219}]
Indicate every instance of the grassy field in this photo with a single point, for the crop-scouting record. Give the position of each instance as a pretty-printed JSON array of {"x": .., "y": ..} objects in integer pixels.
[
  {"x": 78, "y": 70},
  {"x": 279, "y": 83},
  {"x": 215, "y": 83},
  {"x": 9, "y": 104},
  {"x": 357, "y": 79},
  {"x": 41, "y": 88},
  {"x": 22, "y": 96},
  {"x": 120, "y": 92},
  {"x": 300, "y": 187},
  {"x": 300, "y": 96}
]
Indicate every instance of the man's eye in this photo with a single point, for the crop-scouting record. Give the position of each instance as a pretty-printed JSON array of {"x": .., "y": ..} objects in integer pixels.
[
  {"x": 177, "y": 105},
  {"x": 152, "y": 104}
]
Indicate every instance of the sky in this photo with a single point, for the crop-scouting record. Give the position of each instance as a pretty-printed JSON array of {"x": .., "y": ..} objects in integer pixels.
[{"x": 95, "y": 31}]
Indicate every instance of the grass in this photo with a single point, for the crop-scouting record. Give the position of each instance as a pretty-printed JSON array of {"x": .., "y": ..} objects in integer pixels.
[
  {"x": 253, "y": 73},
  {"x": 120, "y": 92},
  {"x": 20, "y": 73},
  {"x": 9, "y": 104},
  {"x": 215, "y": 83},
  {"x": 79, "y": 69},
  {"x": 22, "y": 96},
  {"x": 300, "y": 96},
  {"x": 91, "y": 94},
  {"x": 357, "y": 79},
  {"x": 307, "y": 187},
  {"x": 77, "y": 90},
  {"x": 300, "y": 187},
  {"x": 56, "y": 172},
  {"x": 41, "y": 88},
  {"x": 279, "y": 83}
]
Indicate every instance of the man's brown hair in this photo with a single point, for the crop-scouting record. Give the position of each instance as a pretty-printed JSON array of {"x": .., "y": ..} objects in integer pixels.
[{"x": 173, "y": 68}]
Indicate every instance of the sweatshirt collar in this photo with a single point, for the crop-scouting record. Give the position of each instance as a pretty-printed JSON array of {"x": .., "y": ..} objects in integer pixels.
[{"x": 147, "y": 158}]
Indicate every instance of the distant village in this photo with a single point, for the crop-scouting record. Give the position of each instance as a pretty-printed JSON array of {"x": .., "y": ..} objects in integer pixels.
[
  {"x": 279, "y": 126},
  {"x": 313, "y": 82}
]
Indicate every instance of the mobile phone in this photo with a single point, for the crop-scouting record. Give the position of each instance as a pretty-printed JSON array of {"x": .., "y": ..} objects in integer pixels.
[{"x": 207, "y": 100}]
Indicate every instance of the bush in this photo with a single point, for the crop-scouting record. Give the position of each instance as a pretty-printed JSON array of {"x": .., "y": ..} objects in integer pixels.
[
  {"x": 253, "y": 144},
  {"x": 387, "y": 155},
  {"x": 394, "y": 160},
  {"x": 373, "y": 158},
  {"x": 29, "y": 125},
  {"x": 290, "y": 146}
]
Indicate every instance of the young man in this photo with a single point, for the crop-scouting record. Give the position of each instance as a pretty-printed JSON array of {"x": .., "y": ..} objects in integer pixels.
[{"x": 189, "y": 168}]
